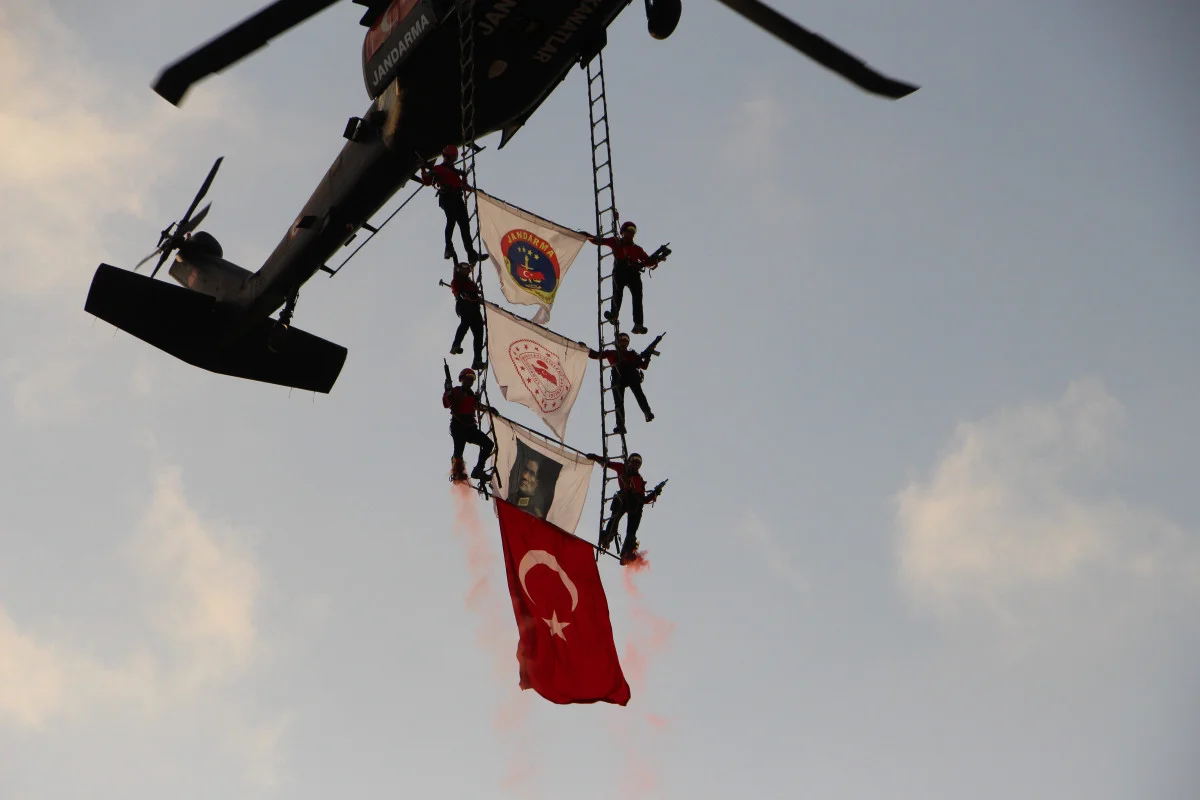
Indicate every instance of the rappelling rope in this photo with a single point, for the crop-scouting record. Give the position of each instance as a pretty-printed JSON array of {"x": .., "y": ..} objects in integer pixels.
[{"x": 333, "y": 272}]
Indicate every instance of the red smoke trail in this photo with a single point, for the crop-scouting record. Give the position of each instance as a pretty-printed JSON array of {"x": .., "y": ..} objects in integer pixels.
[
  {"x": 496, "y": 635},
  {"x": 483, "y": 598},
  {"x": 511, "y": 721},
  {"x": 650, "y": 638}
]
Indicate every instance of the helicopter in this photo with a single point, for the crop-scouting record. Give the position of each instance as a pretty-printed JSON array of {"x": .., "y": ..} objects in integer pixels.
[{"x": 219, "y": 317}]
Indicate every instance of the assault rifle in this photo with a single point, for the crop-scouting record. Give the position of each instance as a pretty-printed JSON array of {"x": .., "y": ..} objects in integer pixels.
[
  {"x": 449, "y": 383},
  {"x": 650, "y": 351},
  {"x": 658, "y": 489},
  {"x": 661, "y": 253}
]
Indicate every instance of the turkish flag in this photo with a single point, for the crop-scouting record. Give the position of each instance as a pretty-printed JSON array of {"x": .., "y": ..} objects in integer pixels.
[{"x": 566, "y": 652}]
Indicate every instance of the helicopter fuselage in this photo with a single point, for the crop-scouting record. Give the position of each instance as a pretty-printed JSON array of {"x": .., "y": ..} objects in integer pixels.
[{"x": 522, "y": 50}]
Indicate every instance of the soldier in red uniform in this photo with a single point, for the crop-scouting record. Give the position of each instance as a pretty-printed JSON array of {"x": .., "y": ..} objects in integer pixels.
[
  {"x": 465, "y": 407},
  {"x": 627, "y": 367},
  {"x": 468, "y": 302},
  {"x": 451, "y": 183},
  {"x": 630, "y": 499},
  {"x": 629, "y": 260}
]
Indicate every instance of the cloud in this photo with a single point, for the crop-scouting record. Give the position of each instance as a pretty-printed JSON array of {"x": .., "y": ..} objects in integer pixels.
[
  {"x": 755, "y": 154},
  {"x": 45, "y": 393},
  {"x": 1014, "y": 524},
  {"x": 208, "y": 583},
  {"x": 203, "y": 586},
  {"x": 83, "y": 152},
  {"x": 260, "y": 745},
  {"x": 762, "y": 539},
  {"x": 80, "y": 148}
]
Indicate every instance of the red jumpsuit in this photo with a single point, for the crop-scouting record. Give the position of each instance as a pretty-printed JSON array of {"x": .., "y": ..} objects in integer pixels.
[
  {"x": 464, "y": 405},
  {"x": 466, "y": 304},
  {"x": 625, "y": 364},
  {"x": 629, "y": 261},
  {"x": 451, "y": 183},
  {"x": 631, "y": 499}
]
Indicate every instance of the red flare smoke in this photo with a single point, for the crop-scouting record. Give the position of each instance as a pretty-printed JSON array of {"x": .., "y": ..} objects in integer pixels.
[
  {"x": 640, "y": 562},
  {"x": 482, "y": 597},
  {"x": 650, "y": 637},
  {"x": 494, "y": 634}
]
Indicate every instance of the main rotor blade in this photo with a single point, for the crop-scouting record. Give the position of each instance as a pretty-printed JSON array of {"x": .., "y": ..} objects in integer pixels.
[
  {"x": 820, "y": 50},
  {"x": 212, "y": 173},
  {"x": 195, "y": 221},
  {"x": 233, "y": 45}
]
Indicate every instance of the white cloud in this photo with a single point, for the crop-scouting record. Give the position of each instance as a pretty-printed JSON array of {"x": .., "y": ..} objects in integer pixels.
[
  {"x": 1010, "y": 524},
  {"x": 260, "y": 745},
  {"x": 202, "y": 586},
  {"x": 45, "y": 393},
  {"x": 209, "y": 586},
  {"x": 762, "y": 539},
  {"x": 80, "y": 148},
  {"x": 83, "y": 152},
  {"x": 755, "y": 155}
]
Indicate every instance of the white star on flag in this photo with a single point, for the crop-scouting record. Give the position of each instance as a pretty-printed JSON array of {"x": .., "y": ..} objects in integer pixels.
[{"x": 556, "y": 627}]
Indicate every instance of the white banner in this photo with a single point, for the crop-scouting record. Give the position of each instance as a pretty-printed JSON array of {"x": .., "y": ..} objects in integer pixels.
[
  {"x": 535, "y": 367},
  {"x": 531, "y": 254},
  {"x": 539, "y": 477}
]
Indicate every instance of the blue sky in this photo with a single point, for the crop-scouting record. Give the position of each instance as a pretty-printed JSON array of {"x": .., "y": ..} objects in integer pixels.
[{"x": 927, "y": 404}]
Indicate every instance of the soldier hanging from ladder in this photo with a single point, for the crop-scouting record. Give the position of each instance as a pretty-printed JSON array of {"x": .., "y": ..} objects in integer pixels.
[
  {"x": 629, "y": 261},
  {"x": 627, "y": 366},
  {"x": 630, "y": 500},
  {"x": 465, "y": 407},
  {"x": 451, "y": 184},
  {"x": 468, "y": 302}
]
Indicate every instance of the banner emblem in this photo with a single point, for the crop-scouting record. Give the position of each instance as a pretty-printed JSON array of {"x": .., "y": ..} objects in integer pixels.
[
  {"x": 532, "y": 263},
  {"x": 542, "y": 373}
]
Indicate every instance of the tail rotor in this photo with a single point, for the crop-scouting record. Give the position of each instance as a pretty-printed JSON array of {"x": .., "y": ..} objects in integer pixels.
[{"x": 174, "y": 235}]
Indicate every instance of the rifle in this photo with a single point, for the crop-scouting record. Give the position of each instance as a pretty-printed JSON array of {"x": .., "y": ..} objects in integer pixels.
[
  {"x": 469, "y": 299},
  {"x": 658, "y": 489},
  {"x": 650, "y": 351},
  {"x": 449, "y": 383},
  {"x": 661, "y": 253}
]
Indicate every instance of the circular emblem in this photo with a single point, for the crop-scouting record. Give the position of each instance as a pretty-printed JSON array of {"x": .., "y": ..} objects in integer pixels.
[
  {"x": 531, "y": 262},
  {"x": 542, "y": 374}
]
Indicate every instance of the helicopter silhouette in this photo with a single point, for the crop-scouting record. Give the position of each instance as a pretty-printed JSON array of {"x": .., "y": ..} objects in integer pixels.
[{"x": 219, "y": 316}]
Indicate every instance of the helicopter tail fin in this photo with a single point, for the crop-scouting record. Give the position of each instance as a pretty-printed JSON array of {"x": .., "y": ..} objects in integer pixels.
[{"x": 191, "y": 326}]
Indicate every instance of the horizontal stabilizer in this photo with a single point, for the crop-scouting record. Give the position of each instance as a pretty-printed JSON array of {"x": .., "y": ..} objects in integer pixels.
[{"x": 192, "y": 327}]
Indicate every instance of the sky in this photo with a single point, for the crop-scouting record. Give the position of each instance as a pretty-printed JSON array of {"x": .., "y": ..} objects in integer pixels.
[{"x": 926, "y": 403}]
